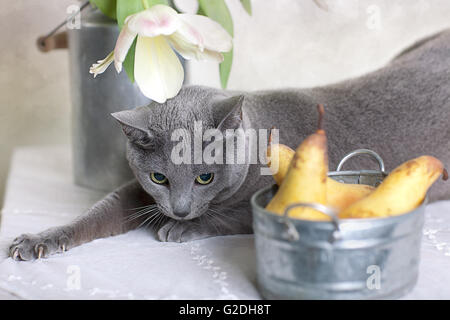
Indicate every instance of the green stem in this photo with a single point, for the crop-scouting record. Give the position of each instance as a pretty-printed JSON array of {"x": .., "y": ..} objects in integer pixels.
[
  {"x": 171, "y": 3},
  {"x": 200, "y": 11},
  {"x": 145, "y": 4}
]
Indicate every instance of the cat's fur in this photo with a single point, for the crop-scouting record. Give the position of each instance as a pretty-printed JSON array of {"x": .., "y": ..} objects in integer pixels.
[{"x": 401, "y": 111}]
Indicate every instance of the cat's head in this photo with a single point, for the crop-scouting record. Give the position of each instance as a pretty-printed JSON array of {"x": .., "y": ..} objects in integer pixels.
[{"x": 160, "y": 136}]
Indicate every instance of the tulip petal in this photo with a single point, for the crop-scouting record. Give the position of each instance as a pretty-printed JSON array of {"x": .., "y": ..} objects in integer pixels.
[
  {"x": 102, "y": 65},
  {"x": 157, "y": 70},
  {"x": 191, "y": 51},
  {"x": 123, "y": 44},
  {"x": 155, "y": 21},
  {"x": 214, "y": 36}
]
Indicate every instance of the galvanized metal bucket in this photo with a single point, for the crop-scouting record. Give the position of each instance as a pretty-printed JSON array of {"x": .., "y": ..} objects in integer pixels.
[
  {"x": 340, "y": 259},
  {"x": 99, "y": 160}
]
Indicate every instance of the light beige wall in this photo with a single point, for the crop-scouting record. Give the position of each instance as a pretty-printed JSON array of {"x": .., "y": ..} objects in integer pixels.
[
  {"x": 284, "y": 43},
  {"x": 34, "y": 89},
  {"x": 294, "y": 43}
]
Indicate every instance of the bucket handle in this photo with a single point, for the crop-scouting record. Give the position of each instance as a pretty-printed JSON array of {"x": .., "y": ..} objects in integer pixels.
[
  {"x": 359, "y": 152},
  {"x": 292, "y": 232},
  {"x": 53, "y": 40}
]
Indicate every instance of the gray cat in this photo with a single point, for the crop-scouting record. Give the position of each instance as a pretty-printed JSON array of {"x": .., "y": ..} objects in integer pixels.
[{"x": 401, "y": 111}]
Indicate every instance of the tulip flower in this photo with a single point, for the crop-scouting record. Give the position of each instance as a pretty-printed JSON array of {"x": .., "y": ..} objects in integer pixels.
[{"x": 160, "y": 30}]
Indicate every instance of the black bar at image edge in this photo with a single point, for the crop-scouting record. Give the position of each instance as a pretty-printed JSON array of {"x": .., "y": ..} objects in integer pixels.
[{"x": 221, "y": 309}]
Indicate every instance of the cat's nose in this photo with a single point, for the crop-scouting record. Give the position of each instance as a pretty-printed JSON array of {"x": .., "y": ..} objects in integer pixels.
[
  {"x": 181, "y": 213},
  {"x": 180, "y": 203}
]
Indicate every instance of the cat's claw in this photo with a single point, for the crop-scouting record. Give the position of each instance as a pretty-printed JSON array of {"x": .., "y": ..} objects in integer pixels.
[
  {"x": 40, "y": 251},
  {"x": 31, "y": 247},
  {"x": 15, "y": 254}
]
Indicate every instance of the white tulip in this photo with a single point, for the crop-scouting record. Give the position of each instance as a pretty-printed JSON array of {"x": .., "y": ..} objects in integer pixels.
[{"x": 160, "y": 29}]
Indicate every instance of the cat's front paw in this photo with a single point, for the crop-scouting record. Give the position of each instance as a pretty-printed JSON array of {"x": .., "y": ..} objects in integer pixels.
[
  {"x": 31, "y": 247},
  {"x": 180, "y": 231}
]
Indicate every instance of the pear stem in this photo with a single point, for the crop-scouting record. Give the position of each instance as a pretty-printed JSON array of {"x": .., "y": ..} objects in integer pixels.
[
  {"x": 270, "y": 135},
  {"x": 321, "y": 110},
  {"x": 445, "y": 175}
]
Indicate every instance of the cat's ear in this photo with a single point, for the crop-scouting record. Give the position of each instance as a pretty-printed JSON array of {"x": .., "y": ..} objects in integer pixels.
[
  {"x": 135, "y": 126},
  {"x": 234, "y": 119}
]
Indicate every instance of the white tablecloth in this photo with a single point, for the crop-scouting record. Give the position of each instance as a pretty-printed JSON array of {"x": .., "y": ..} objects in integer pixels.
[{"x": 40, "y": 194}]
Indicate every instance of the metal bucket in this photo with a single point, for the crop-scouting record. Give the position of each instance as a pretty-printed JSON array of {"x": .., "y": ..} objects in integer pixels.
[
  {"x": 340, "y": 259},
  {"x": 99, "y": 160}
]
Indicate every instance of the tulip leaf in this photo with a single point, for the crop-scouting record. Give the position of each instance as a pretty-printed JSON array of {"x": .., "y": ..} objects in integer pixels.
[
  {"x": 247, "y": 4},
  {"x": 128, "y": 63},
  {"x": 218, "y": 11},
  {"x": 107, "y": 7},
  {"x": 126, "y": 8},
  {"x": 225, "y": 68},
  {"x": 150, "y": 3}
]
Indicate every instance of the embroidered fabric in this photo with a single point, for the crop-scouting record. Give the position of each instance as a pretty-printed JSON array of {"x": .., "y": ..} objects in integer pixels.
[{"x": 40, "y": 194}]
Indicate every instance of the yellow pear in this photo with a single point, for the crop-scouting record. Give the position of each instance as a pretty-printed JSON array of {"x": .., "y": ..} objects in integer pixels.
[
  {"x": 400, "y": 192},
  {"x": 339, "y": 195},
  {"x": 279, "y": 158},
  {"x": 305, "y": 180}
]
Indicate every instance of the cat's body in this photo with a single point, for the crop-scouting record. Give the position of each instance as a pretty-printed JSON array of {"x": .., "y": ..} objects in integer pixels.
[{"x": 400, "y": 111}]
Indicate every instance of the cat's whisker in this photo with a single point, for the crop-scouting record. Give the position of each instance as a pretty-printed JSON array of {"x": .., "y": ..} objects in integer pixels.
[
  {"x": 145, "y": 211},
  {"x": 150, "y": 215},
  {"x": 222, "y": 220},
  {"x": 134, "y": 216},
  {"x": 212, "y": 206},
  {"x": 222, "y": 209},
  {"x": 143, "y": 207},
  {"x": 160, "y": 221},
  {"x": 147, "y": 219},
  {"x": 211, "y": 221},
  {"x": 140, "y": 214},
  {"x": 221, "y": 214},
  {"x": 153, "y": 219}
]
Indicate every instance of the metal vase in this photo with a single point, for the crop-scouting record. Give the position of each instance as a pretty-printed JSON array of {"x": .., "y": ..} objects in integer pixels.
[
  {"x": 98, "y": 144},
  {"x": 341, "y": 259}
]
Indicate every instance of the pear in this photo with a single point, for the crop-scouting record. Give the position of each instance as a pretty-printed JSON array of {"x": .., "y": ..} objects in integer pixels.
[
  {"x": 279, "y": 158},
  {"x": 306, "y": 178},
  {"x": 400, "y": 192},
  {"x": 339, "y": 195}
]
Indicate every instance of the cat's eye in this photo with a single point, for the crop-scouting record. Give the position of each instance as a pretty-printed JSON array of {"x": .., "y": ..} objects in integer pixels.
[
  {"x": 158, "y": 178},
  {"x": 204, "y": 178}
]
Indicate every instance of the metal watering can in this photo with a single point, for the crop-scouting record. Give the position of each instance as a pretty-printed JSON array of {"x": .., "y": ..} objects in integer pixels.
[
  {"x": 337, "y": 259},
  {"x": 98, "y": 144}
]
